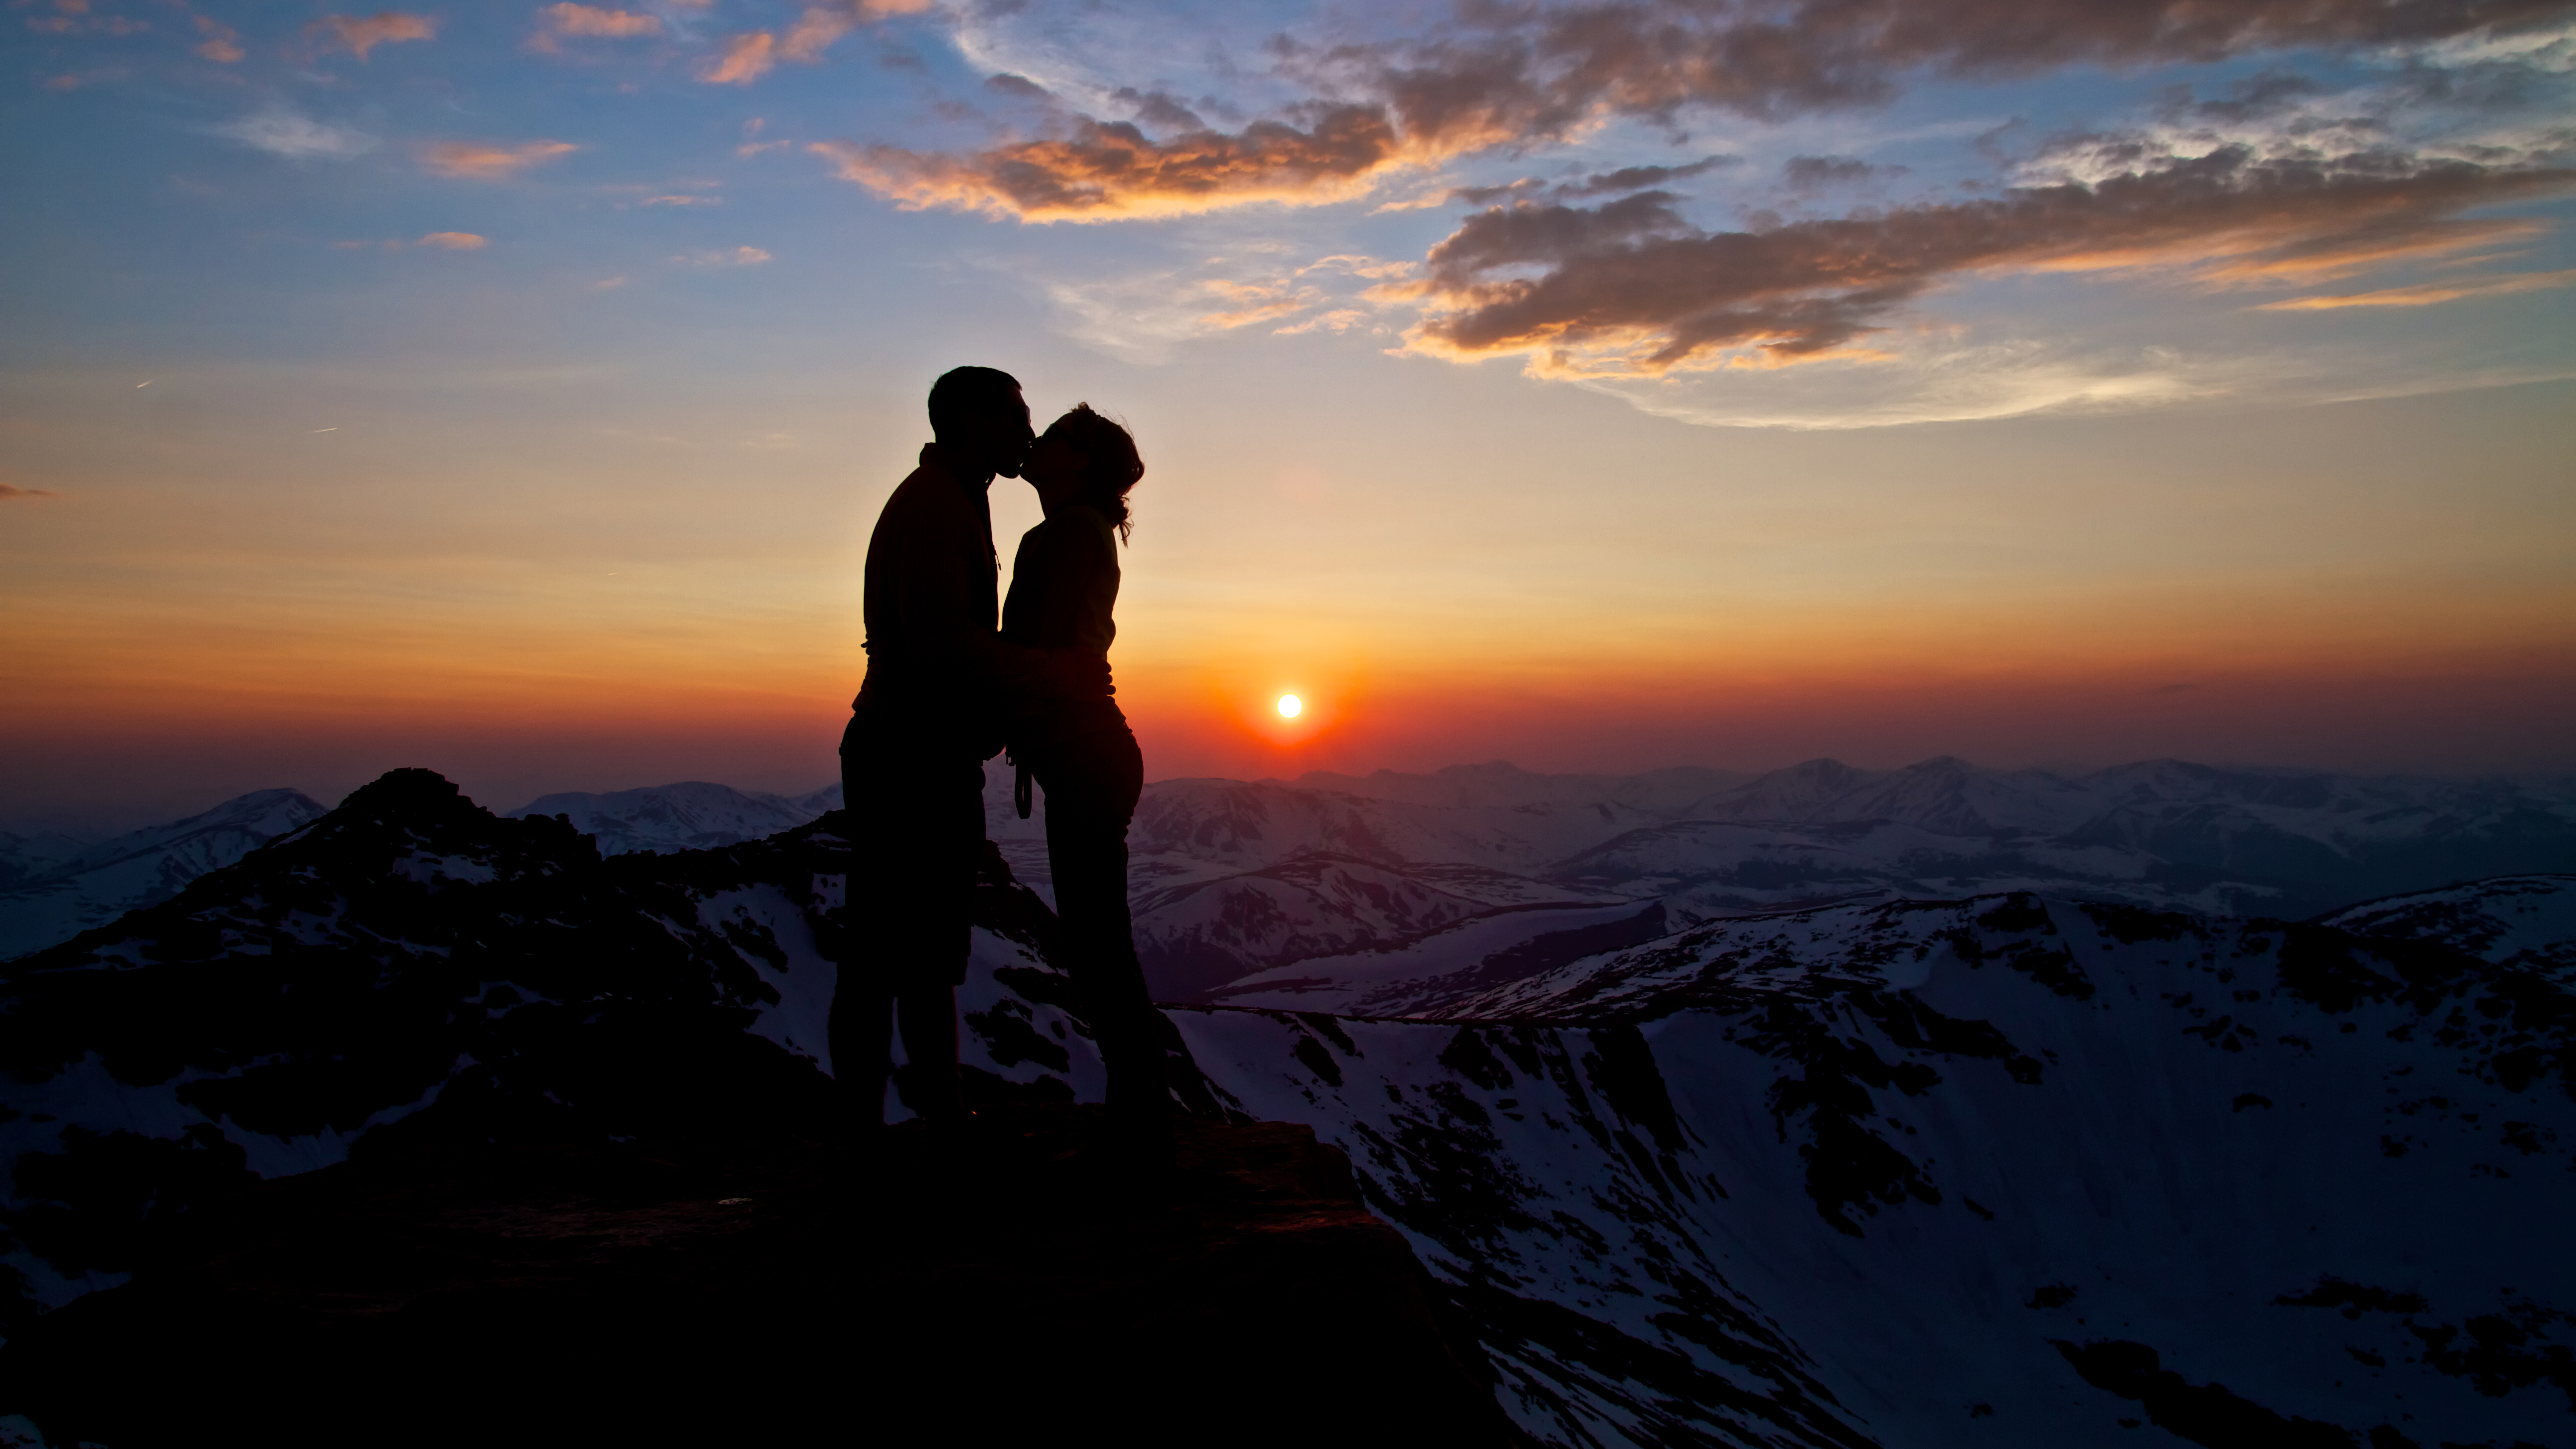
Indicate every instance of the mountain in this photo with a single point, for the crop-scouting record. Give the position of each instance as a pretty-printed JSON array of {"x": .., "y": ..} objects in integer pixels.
[
  {"x": 1333, "y": 890},
  {"x": 2012, "y": 1168},
  {"x": 2526, "y": 921},
  {"x": 28, "y": 857},
  {"x": 691, "y": 815},
  {"x": 1293, "y": 894},
  {"x": 56, "y": 892}
]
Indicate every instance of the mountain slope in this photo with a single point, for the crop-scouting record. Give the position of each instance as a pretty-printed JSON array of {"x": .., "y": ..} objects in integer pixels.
[
  {"x": 691, "y": 815},
  {"x": 95, "y": 884},
  {"x": 1950, "y": 1173},
  {"x": 2009, "y": 1170}
]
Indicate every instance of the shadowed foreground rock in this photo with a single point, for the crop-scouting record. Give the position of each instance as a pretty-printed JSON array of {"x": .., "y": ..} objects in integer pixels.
[{"x": 995, "y": 1286}]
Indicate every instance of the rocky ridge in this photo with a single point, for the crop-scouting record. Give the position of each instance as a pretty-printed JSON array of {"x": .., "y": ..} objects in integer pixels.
[{"x": 2006, "y": 1169}]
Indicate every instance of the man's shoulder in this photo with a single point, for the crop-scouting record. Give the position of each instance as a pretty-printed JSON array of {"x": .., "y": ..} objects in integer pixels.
[{"x": 928, "y": 497}]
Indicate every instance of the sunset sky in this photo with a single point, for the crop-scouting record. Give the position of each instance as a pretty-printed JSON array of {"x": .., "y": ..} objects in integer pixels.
[{"x": 509, "y": 389}]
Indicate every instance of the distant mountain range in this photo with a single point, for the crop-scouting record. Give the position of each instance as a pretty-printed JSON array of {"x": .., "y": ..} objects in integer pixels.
[
  {"x": 692, "y": 815},
  {"x": 1347, "y": 892},
  {"x": 2009, "y": 1167},
  {"x": 53, "y": 888}
]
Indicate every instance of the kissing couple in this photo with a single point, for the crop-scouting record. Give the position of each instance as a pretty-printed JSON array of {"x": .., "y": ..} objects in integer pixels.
[{"x": 948, "y": 686}]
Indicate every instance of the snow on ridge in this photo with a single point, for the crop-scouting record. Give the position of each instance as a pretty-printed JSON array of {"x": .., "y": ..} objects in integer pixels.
[
  {"x": 1821, "y": 1177},
  {"x": 1913, "y": 1173},
  {"x": 98, "y": 883},
  {"x": 2526, "y": 921}
]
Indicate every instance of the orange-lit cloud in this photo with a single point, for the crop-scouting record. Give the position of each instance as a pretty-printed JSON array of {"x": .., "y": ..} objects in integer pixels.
[
  {"x": 455, "y": 241},
  {"x": 1110, "y": 171},
  {"x": 360, "y": 35},
  {"x": 1515, "y": 75},
  {"x": 746, "y": 58},
  {"x": 1631, "y": 287},
  {"x": 10, "y": 492},
  {"x": 749, "y": 56},
  {"x": 2429, "y": 294},
  {"x": 221, "y": 43},
  {"x": 719, "y": 257},
  {"x": 566, "y": 20},
  {"x": 484, "y": 161}
]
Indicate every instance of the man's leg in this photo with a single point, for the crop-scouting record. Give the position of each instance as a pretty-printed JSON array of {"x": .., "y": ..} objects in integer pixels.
[
  {"x": 861, "y": 1035},
  {"x": 946, "y": 852},
  {"x": 861, "y": 1019},
  {"x": 929, "y": 1018}
]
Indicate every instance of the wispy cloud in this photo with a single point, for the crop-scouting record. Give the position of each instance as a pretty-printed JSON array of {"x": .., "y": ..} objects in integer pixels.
[
  {"x": 283, "y": 132},
  {"x": 12, "y": 493},
  {"x": 1634, "y": 288},
  {"x": 745, "y": 58},
  {"x": 720, "y": 257},
  {"x": 749, "y": 56},
  {"x": 360, "y": 35},
  {"x": 2430, "y": 294},
  {"x": 488, "y": 161},
  {"x": 222, "y": 42},
  {"x": 1112, "y": 171},
  {"x": 1514, "y": 76},
  {"x": 455, "y": 241},
  {"x": 556, "y": 23}
]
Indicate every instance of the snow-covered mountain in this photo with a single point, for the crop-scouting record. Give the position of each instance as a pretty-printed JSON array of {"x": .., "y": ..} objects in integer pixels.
[
  {"x": 691, "y": 815},
  {"x": 2013, "y": 1169},
  {"x": 57, "y": 893},
  {"x": 1322, "y": 891},
  {"x": 1278, "y": 893},
  {"x": 2527, "y": 921}
]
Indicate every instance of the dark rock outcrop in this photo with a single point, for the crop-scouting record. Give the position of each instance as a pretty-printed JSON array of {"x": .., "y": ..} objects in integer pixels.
[{"x": 1007, "y": 1283}]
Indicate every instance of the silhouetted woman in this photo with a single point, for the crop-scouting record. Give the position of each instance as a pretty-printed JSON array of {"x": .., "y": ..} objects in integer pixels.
[{"x": 1064, "y": 586}]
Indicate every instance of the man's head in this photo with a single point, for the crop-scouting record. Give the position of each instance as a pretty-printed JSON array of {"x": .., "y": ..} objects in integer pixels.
[{"x": 980, "y": 419}]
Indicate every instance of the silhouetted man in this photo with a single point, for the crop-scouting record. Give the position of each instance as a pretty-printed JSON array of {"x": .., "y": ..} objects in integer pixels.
[{"x": 912, "y": 759}]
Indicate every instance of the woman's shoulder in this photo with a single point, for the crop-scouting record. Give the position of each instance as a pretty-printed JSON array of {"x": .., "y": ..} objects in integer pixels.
[{"x": 1076, "y": 529}]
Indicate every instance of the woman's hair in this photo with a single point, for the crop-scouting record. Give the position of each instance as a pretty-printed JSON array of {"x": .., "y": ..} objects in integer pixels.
[{"x": 1111, "y": 464}]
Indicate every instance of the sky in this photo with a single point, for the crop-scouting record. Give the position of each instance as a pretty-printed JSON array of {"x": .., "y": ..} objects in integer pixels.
[{"x": 510, "y": 389}]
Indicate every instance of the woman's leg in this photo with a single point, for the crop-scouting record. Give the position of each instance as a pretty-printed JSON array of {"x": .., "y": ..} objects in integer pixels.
[{"x": 1091, "y": 796}]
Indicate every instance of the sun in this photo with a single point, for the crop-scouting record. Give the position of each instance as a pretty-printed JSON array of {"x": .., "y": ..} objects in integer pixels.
[{"x": 1289, "y": 705}]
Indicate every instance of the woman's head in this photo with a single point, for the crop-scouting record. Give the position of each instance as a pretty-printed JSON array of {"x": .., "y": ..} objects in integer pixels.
[{"x": 1093, "y": 458}]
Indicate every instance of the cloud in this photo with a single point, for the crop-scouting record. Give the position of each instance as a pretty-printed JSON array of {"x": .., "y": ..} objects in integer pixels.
[
  {"x": 1814, "y": 173},
  {"x": 1162, "y": 112},
  {"x": 284, "y": 133},
  {"x": 1544, "y": 72},
  {"x": 358, "y": 36},
  {"x": 483, "y": 161},
  {"x": 1144, "y": 317},
  {"x": 1107, "y": 171},
  {"x": 1509, "y": 76},
  {"x": 220, "y": 44},
  {"x": 1641, "y": 178},
  {"x": 2429, "y": 294},
  {"x": 1633, "y": 288},
  {"x": 718, "y": 257},
  {"x": 9, "y": 492},
  {"x": 455, "y": 241},
  {"x": 749, "y": 56},
  {"x": 746, "y": 58},
  {"x": 567, "y": 20},
  {"x": 684, "y": 201}
]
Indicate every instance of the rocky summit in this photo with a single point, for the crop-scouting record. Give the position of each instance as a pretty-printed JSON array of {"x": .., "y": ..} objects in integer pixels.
[
  {"x": 1003, "y": 1283},
  {"x": 417, "y": 1090}
]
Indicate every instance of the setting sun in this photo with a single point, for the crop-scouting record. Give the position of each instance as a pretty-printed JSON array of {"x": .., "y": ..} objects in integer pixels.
[{"x": 1289, "y": 705}]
